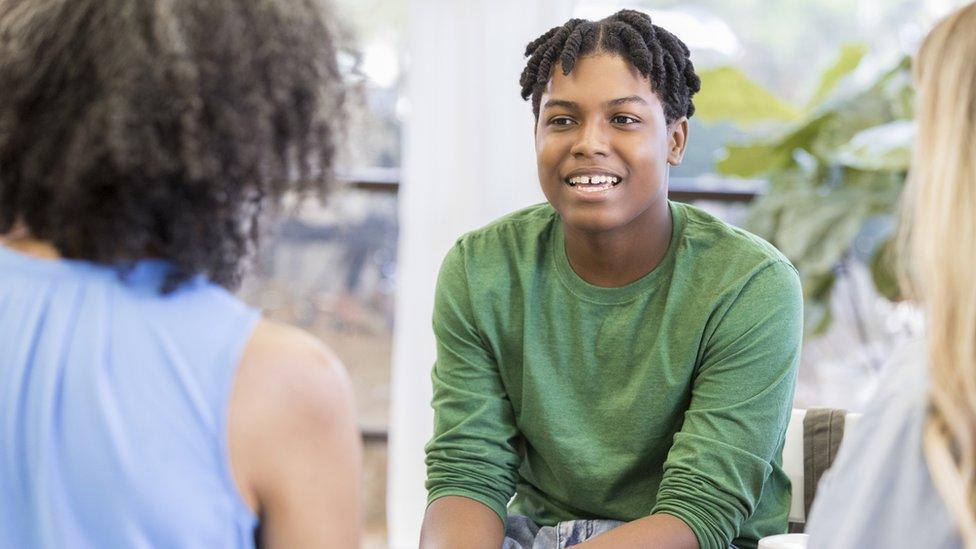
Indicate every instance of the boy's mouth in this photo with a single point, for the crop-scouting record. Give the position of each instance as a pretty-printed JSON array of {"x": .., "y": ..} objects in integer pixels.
[{"x": 592, "y": 183}]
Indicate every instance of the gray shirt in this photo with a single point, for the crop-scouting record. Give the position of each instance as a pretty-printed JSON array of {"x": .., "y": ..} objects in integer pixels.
[{"x": 879, "y": 492}]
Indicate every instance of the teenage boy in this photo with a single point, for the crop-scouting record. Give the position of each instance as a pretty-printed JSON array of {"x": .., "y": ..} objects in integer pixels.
[{"x": 610, "y": 358}]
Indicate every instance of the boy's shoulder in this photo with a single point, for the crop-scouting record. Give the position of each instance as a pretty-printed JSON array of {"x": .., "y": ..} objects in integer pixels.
[{"x": 716, "y": 242}]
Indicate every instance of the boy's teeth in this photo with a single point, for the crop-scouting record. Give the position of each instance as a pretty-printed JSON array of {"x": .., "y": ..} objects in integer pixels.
[
  {"x": 593, "y": 180},
  {"x": 591, "y": 188}
]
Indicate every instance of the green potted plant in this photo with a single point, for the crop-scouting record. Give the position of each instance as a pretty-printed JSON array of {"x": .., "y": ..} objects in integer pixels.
[{"x": 835, "y": 169}]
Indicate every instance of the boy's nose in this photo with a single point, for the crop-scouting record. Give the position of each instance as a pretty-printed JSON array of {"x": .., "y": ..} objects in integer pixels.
[{"x": 592, "y": 141}]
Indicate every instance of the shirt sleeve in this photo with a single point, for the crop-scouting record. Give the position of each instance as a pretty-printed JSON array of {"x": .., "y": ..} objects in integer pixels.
[
  {"x": 473, "y": 451},
  {"x": 741, "y": 400}
]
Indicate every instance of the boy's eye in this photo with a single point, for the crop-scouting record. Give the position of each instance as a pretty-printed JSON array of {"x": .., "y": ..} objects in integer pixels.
[
  {"x": 560, "y": 121},
  {"x": 624, "y": 119}
]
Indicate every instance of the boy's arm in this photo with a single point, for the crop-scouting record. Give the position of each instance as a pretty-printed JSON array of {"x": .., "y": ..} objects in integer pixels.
[
  {"x": 734, "y": 427},
  {"x": 473, "y": 451},
  {"x": 457, "y": 521},
  {"x": 658, "y": 531},
  {"x": 742, "y": 397}
]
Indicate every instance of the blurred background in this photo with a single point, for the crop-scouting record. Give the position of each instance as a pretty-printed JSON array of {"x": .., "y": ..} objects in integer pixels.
[{"x": 802, "y": 135}]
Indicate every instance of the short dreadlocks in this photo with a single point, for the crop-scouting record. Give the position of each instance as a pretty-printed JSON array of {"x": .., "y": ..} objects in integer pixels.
[{"x": 656, "y": 53}]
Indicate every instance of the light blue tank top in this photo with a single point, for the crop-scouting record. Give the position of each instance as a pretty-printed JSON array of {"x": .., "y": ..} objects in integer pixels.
[{"x": 113, "y": 408}]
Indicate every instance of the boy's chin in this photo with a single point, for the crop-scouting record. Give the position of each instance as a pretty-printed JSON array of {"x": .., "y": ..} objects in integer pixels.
[{"x": 593, "y": 222}]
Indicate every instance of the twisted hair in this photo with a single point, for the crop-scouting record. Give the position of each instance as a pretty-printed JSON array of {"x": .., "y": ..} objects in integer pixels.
[
  {"x": 656, "y": 53},
  {"x": 134, "y": 129}
]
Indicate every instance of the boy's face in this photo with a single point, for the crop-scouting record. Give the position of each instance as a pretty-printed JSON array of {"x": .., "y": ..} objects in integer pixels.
[{"x": 602, "y": 123}]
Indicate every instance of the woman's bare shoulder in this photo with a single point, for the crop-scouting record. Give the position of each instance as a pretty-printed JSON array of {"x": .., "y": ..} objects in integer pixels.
[{"x": 292, "y": 401}]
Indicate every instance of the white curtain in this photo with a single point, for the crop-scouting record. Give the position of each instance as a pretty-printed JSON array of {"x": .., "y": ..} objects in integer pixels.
[{"x": 469, "y": 157}]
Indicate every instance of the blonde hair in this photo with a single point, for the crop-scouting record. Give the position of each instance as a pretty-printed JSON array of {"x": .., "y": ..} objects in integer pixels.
[{"x": 938, "y": 244}]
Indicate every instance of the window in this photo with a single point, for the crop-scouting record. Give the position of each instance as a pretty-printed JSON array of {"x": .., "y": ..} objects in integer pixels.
[{"x": 330, "y": 269}]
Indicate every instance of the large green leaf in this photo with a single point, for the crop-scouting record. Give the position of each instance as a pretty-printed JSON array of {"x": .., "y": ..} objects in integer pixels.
[
  {"x": 748, "y": 160},
  {"x": 878, "y": 190},
  {"x": 887, "y": 147},
  {"x": 830, "y": 171},
  {"x": 818, "y": 237},
  {"x": 728, "y": 94},
  {"x": 764, "y": 214},
  {"x": 849, "y": 58}
]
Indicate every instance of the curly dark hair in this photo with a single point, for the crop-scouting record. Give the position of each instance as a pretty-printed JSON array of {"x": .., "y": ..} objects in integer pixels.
[
  {"x": 134, "y": 129},
  {"x": 656, "y": 53}
]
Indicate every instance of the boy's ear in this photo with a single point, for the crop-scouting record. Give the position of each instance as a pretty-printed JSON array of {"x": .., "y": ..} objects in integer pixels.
[{"x": 677, "y": 140}]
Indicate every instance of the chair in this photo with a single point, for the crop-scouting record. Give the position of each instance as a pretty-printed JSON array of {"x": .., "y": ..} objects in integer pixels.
[{"x": 809, "y": 432}]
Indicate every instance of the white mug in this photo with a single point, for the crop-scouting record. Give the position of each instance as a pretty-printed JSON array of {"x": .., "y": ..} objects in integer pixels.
[{"x": 784, "y": 541}]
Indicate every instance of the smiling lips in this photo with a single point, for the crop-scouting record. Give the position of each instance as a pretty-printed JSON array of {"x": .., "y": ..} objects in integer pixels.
[{"x": 593, "y": 183}]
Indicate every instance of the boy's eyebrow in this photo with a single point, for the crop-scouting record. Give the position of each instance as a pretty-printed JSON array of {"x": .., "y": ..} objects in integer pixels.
[
  {"x": 572, "y": 105},
  {"x": 628, "y": 99}
]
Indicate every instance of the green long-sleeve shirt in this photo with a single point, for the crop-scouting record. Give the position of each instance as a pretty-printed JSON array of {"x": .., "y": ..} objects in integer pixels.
[{"x": 669, "y": 395}]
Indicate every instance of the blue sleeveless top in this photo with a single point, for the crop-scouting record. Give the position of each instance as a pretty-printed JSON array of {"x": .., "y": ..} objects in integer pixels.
[{"x": 113, "y": 408}]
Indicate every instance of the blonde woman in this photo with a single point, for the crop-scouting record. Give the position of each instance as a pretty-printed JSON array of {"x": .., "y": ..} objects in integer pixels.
[{"x": 905, "y": 478}]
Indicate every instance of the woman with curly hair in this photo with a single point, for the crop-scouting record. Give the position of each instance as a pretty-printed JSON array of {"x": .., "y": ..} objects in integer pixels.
[{"x": 142, "y": 404}]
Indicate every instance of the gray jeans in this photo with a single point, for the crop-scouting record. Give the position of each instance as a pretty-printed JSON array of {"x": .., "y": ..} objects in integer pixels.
[{"x": 522, "y": 533}]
